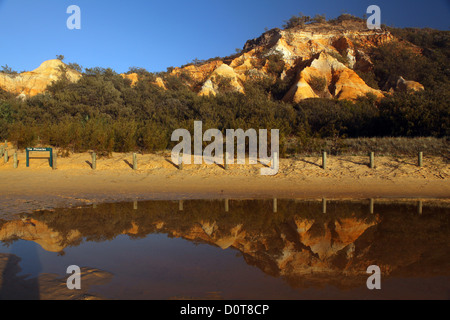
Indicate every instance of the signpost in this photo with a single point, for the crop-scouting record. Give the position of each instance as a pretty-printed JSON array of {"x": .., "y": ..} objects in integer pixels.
[{"x": 50, "y": 159}]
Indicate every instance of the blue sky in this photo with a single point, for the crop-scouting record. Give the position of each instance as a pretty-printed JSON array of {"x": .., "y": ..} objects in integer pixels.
[{"x": 158, "y": 34}]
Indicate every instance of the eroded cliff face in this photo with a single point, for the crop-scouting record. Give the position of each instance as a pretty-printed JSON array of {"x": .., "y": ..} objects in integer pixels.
[
  {"x": 324, "y": 53},
  {"x": 31, "y": 83},
  {"x": 317, "y": 51}
]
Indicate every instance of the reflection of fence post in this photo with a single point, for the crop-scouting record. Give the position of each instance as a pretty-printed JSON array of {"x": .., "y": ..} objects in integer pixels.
[
  {"x": 419, "y": 207},
  {"x": 94, "y": 161},
  {"x": 15, "y": 160},
  {"x": 227, "y": 208},
  {"x": 324, "y": 205},
  {"x": 134, "y": 161},
  {"x": 135, "y": 205},
  {"x": 372, "y": 160},
  {"x": 275, "y": 205},
  {"x": 420, "y": 159},
  {"x": 371, "y": 206},
  {"x": 180, "y": 205},
  {"x": 324, "y": 160}
]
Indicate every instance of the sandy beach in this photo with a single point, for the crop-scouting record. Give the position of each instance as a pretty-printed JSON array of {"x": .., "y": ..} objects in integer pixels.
[{"x": 75, "y": 183}]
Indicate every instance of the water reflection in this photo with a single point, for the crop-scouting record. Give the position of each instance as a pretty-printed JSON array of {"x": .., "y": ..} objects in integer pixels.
[{"x": 303, "y": 245}]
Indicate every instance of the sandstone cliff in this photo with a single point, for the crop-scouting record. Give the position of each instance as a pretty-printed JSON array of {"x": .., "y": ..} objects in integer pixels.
[
  {"x": 31, "y": 83},
  {"x": 317, "y": 51},
  {"x": 317, "y": 60}
]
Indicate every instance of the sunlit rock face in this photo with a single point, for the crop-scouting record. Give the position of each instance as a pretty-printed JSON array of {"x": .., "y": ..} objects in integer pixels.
[
  {"x": 408, "y": 85},
  {"x": 326, "y": 51},
  {"x": 133, "y": 77},
  {"x": 330, "y": 51},
  {"x": 339, "y": 81},
  {"x": 31, "y": 83}
]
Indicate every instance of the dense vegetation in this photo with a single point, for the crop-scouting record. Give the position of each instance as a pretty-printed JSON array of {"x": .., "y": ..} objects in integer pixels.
[{"x": 104, "y": 112}]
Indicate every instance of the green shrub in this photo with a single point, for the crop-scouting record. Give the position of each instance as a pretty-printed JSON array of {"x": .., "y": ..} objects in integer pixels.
[{"x": 318, "y": 84}]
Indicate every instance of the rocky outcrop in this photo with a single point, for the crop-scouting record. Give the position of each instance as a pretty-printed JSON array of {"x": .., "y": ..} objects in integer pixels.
[
  {"x": 160, "y": 83},
  {"x": 133, "y": 77},
  {"x": 330, "y": 52},
  {"x": 28, "y": 84},
  {"x": 222, "y": 73},
  {"x": 408, "y": 85},
  {"x": 338, "y": 80},
  {"x": 199, "y": 73}
]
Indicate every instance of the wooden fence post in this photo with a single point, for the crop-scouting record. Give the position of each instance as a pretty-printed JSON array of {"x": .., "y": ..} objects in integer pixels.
[
  {"x": 225, "y": 165},
  {"x": 324, "y": 160},
  {"x": 54, "y": 160},
  {"x": 180, "y": 162},
  {"x": 134, "y": 161},
  {"x": 276, "y": 159},
  {"x": 15, "y": 160},
  {"x": 94, "y": 161}
]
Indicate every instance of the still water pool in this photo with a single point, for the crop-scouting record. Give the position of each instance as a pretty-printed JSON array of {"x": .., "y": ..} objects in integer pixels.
[{"x": 230, "y": 249}]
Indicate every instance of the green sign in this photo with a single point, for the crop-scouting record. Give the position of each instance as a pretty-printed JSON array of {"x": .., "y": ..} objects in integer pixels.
[{"x": 50, "y": 159}]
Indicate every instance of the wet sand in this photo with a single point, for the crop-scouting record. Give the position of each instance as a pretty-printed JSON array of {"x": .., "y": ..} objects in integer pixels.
[
  {"x": 46, "y": 286},
  {"x": 75, "y": 183}
]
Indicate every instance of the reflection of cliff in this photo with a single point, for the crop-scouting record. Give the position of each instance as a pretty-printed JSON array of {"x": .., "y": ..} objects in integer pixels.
[
  {"x": 298, "y": 243},
  {"x": 37, "y": 231}
]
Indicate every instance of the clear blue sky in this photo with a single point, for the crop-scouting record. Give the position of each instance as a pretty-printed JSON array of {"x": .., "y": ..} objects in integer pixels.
[{"x": 158, "y": 34}]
